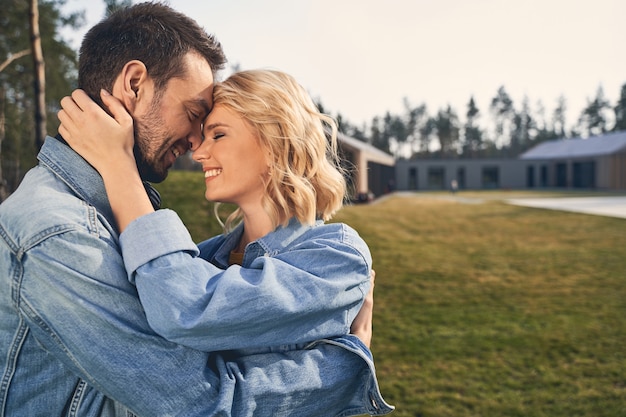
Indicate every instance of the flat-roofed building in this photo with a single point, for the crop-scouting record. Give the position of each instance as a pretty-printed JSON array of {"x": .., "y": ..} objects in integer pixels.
[
  {"x": 372, "y": 171},
  {"x": 597, "y": 162}
]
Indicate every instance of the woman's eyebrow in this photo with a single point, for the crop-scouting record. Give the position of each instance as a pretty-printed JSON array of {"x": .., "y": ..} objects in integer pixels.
[
  {"x": 214, "y": 125},
  {"x": 200, "y": 103}
]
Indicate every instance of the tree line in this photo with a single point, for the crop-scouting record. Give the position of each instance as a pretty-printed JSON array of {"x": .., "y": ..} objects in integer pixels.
[
  {"x": 38, "y": 67},
  {"x": 509, "y": 130}
]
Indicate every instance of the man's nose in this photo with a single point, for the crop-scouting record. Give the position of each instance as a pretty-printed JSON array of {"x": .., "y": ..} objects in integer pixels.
[{"x": 195, "y": 140}]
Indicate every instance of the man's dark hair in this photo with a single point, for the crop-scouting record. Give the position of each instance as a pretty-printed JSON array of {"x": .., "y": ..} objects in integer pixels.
[{"x": 150, "y": 32}]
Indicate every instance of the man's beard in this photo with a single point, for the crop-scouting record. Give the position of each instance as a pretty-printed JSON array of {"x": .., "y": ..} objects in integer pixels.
[
  {"x": 146, "y": 171},
  {"x": 150, "y": 135}
]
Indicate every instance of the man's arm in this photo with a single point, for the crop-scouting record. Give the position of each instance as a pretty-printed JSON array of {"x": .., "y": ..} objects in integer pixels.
[{"x": 84, "y": 312}]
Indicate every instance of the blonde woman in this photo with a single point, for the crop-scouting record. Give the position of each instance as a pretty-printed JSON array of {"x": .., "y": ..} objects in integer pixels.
[{"x": 279, "y": 278}]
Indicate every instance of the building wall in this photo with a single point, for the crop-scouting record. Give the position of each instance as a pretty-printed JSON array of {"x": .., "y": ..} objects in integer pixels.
[
  {"x": 370, "y": 170},
  {"x": 356, "y": 168},
  {"x": 617, "y": 174},
  {"x": 479, "y": 174},
  {"x": 600, "y": 172},
  {"x": 381, "y": 178}
]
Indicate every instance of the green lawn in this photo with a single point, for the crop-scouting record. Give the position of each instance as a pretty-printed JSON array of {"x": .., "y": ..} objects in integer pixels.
[{"x": 484, "y": 309}]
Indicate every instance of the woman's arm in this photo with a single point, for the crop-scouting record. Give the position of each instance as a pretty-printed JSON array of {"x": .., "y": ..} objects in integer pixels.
[
  {"x": 311, "y": 290},
  {"x": 107, "y": 144}
]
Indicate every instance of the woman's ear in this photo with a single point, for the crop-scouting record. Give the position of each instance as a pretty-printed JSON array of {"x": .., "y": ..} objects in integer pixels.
[{"x": 133, "y": 84}]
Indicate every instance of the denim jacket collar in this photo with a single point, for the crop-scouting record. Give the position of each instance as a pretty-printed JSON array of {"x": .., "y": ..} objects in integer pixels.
[
  {"x": 81, "y": 177},
  {"x": 284, "y": 236},
  {"x": 269, "y": 245},
  {"x": 77, "y": 173}
]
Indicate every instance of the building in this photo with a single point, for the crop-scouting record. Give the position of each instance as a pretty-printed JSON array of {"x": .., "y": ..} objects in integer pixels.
[
  {"x": 470, "y": 174},
  {"x": 597, "y": 162},
  {"x": 372, "y": 171}
]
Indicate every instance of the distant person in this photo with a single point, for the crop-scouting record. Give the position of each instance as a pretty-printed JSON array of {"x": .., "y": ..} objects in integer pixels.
[
  {"x": 75, "y": 338},
  {"x": 454, "y": 186}
]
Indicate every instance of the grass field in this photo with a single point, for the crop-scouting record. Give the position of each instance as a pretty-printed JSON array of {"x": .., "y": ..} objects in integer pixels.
[{"x": 484, "y": 309}]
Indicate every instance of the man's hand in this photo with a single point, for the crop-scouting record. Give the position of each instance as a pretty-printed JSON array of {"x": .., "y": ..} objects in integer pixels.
[{"x": 362, "y": 324}]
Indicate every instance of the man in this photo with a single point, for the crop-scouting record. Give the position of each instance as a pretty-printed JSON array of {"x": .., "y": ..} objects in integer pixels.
[{"x": 73, "y": 336}]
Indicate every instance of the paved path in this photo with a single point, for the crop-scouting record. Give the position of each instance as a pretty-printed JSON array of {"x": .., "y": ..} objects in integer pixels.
[{"x": 601, "y": 206}]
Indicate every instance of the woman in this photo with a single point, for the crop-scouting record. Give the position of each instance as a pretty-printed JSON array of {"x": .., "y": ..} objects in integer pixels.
[{"x": 278, "y": 274}]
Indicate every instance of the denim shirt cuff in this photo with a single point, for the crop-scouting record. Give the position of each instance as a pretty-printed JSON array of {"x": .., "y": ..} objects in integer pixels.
[{"x": 154, "y": 235}]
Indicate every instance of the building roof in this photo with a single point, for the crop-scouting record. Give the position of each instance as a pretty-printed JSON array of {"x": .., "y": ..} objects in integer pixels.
[
  {"x": 602, "y": 145},
  {"x": 373, "y": 154}
]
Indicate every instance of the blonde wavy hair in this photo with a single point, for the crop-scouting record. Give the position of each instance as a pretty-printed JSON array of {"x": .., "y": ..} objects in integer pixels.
[{"x": 305, "y": 179}]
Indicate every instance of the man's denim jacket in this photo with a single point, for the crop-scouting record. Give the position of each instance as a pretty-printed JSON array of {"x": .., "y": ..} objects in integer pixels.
[{"x": 74, "y": 336}]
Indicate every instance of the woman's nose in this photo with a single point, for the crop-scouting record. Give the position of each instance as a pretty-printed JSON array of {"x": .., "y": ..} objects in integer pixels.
[{"x": 201, "y": 152}]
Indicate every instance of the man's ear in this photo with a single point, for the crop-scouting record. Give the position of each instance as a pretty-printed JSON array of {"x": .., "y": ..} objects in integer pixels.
[{"x": 132, "y": 84}]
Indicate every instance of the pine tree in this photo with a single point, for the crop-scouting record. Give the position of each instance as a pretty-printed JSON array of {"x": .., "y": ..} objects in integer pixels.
[
  {"x": 17, "y": 96},
  {"x": 447, "y": 127},
  {"x": 558, "y": 117},
  {"x": 473, "y": 135},
  {"x": 503, "y": 111},
  {"x": 620, "y": 111},
  {"x": 594, "y": 119}
]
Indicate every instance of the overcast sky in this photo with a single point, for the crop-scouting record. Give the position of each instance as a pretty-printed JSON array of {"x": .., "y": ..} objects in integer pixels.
[{"x": 361, "y": 58}]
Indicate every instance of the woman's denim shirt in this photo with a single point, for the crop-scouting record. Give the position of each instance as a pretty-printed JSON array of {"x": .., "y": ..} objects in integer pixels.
[{"x": 74, "y": 336}]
